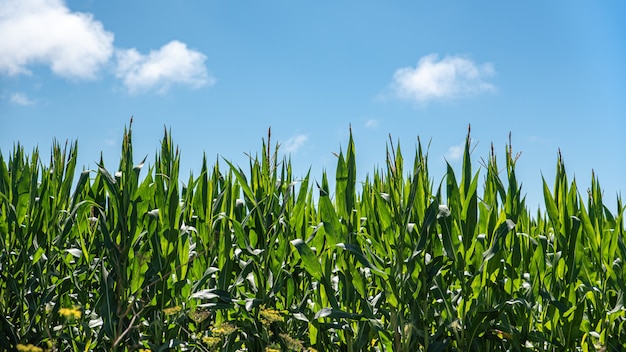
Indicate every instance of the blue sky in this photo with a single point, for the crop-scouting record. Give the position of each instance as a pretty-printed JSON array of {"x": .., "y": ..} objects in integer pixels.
[{"x": 220, "y": 73}]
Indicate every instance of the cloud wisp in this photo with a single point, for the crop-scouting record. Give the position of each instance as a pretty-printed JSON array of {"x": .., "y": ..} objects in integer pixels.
[
  {"x": 294, "y": 143},
  {"x": 432, "y": 79},
  {"x": 173, "y": 63},
  {"x": 455, "y": 152},
  {"x": 20, "y": 98},
  {"x": 74, "y": 45},
  {"x": 372, "y": 123}
]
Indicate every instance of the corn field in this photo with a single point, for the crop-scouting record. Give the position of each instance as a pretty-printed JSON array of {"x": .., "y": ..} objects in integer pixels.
[{"x": 137, "y": 259}]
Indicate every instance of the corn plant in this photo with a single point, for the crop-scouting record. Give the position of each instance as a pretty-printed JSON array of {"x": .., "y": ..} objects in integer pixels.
[{"x": 138, "y": 258}]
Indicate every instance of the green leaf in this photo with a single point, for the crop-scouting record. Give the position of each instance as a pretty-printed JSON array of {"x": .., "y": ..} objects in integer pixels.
[
  {"x": 330, "y": 220},
  {"x": 356, "y": 251},
  {"x": 204, "y": 294},
  {"x": 551, "y": 208},
  {"x": 502, "y": 230},
  {"x": 243, "y": 183},
  {"x": 77, "y": 253},
  {"x": 335, "y": 314},
  {"x": 309, "y": 261}
]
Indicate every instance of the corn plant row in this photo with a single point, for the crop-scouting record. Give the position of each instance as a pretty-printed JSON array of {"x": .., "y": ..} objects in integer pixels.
[{"x": 260, "y": 260}]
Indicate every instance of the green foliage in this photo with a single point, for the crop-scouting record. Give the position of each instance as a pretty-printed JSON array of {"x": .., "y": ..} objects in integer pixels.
[{"x": 254, "y": 260}]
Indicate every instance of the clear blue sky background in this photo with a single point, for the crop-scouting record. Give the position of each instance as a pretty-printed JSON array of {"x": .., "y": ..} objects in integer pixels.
[{"x": 220, "y": 73}]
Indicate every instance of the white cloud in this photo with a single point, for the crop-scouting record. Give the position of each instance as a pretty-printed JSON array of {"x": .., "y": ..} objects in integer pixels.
[
  {"x": 45, "y": 32},
  {"x": 21, "y": 99},
  {"x": 371, "y": 123},
  {"x": 434, "y": 79},
  {"x": 173, "y": 63},
  {"x": 455, "y": 152},
  {"x": 75, "y": 45},
  {"x": 294, "y": 143}
]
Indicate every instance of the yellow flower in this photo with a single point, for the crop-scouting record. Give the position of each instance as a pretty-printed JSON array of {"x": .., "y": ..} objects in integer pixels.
[
  {"x": 29, "y": 348},
  {"x": 70, "y": 313},
  {"x": 211, "y": 341},
  {"x": 199, "y": 315},
  {"x": 224, "y": 329},
  {"x": 171, "y": 310},
  {"x": 292, "y": 344},
  {"x": 269, "y": 315},
  {"x": 269, "y": 349}
]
